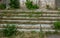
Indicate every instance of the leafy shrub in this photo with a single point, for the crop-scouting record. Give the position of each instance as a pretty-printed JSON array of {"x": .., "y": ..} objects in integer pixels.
[
  {"x": 14, "y": 4},
  {"x": 10, "y": 30},
  {"x": 57, "y": 25},
  {"x": 2, "y": 6},
  {"x": 29, "y": 5},
  {"x": 35, "y": 6}
]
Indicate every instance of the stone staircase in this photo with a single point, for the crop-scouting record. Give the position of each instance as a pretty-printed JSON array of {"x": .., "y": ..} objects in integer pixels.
[{"x": 30, "y": 20}]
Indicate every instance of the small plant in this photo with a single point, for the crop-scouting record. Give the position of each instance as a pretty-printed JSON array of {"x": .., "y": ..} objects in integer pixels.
[
  {"x": 2, "y": 6},
  {"x": 29, "y": 5},
  {"x": 10, "y": 30},
  {"x": 33, "y": 32},
  {"x": 48, "y": 7},
  {"x": 57, "y": 25},
  {"x": 14, "y": 4}
]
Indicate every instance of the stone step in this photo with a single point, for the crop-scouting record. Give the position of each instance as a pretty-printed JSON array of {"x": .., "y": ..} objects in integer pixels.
[
  {"x": 37, "y": 30},
  {"x": 25, "y": 22},
  {"x": 39, "y": 10},
  {"x": 30, "y": 19},
  {"x": 30, "y": 26},
  {"x": 29, "y": 12},
  {"x": 32, "y": 15},
  {"x": 49, "y": 19}
]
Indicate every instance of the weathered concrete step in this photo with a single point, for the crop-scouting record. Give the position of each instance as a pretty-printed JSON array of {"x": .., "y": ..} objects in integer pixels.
[
  {"x": 32, "y": 15},
  {"x": 27, "y": 22}
]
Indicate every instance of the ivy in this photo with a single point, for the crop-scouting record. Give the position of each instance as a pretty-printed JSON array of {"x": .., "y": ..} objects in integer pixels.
[
  {"x": 14, "y": 4},
  {"x": 57, "y": 25},
  {"x": 29, "y": 5},
  {"x": 10, "y": 30},
  {"x": 2, "y": 6}
]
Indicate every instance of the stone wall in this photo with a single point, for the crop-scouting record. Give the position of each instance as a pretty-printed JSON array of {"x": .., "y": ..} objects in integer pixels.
[
  {"x": 57, "y": 4},
  {"x": 42, "y": 3},
  {"x": 51, "y": 3},
  {"x": 22, "y": 3}
]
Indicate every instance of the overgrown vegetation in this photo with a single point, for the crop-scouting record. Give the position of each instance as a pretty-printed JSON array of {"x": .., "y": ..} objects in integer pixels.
[
  {"x": 57, "y": 25},
  {"x": 14, "y": 4},
  {"x": 2, "y": 6},
  {"x": 31, "y": 34},
  {"x": 9, "y": 30},
  {"x": 29, "y": 5},
  {"x": 25, "y": 34}
]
